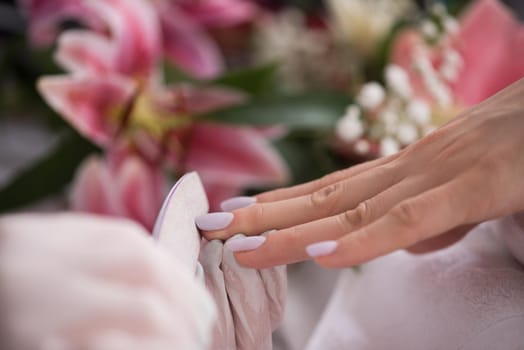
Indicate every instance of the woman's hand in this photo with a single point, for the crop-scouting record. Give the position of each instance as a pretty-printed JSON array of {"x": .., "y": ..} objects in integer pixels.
[
  {"x": 82, "y": 282},
  {"x": 426, "y": 196}
]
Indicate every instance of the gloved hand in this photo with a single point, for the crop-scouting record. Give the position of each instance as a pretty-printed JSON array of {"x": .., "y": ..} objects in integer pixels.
[
  {"x": 250, "y": 302},
  {"x": 71, "y": 281}
]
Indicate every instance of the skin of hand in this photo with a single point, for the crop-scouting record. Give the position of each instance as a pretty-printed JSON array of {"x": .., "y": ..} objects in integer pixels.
[
  {"x": 425, "y": 197},
  {"x": 71, "y": 281}
]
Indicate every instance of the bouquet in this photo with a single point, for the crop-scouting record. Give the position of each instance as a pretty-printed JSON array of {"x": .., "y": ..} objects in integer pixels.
[{"x": 122, "y": 97}]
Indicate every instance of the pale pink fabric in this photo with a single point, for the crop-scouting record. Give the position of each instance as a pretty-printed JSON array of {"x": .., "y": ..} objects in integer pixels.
[
  {"x": 468, "y": 296},
  {"x": 250, "y": 302}
]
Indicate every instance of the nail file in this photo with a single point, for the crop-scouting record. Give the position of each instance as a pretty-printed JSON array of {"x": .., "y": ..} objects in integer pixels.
[{"x": 175, "y": 226}]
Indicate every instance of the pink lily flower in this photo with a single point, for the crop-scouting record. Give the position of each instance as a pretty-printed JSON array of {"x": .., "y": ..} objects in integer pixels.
[
  {"x": 114, "y": 93},
  {"x": 231, "y": 159},
  {"x": 183, "y": 23},
  {"x": 119, "y": 185},
  {"x": 490, "y": 42},
  {"x": 45, "y": 16}
]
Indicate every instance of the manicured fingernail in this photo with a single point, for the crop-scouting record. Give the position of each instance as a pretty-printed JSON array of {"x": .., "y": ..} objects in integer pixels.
[
  {"x": 236, "y": 203},
  {"x": 213, "y": 221},
  {"x": 321, "y": 248},
  {"x": 245, "y": 243}
]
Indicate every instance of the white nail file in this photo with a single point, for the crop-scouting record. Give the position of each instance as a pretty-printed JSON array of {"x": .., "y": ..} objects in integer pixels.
[{"x": 175, "y": 227}]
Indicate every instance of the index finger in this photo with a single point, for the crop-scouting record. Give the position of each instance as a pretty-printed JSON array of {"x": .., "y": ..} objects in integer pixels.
[{"x": 312, "y": 186}]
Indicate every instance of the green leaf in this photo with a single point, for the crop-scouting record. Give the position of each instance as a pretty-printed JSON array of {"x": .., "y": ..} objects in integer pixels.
[
  {"x": 309, "y": 155},
  {"x": 305, "y": 111},
  {"x": 173, "y": 75},
  {"x": 48, "y": 175},
  {"x": 254, "y": 80}
]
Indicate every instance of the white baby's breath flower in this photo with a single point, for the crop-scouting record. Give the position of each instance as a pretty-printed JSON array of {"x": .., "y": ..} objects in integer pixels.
[
  {"x": 451, "y": 25},
  {"x": 388, "y": 146},
  {"x": 437, "y": 88},
  {"x": 352, "y": 112},
  {"x": 371, "y": 96},
  {"x": 429, "y": 29},
  {"x": 349, "y": 128},
  {"x": 407, "y": 133},
  {"x": 451, "y": 65},
  {"x": 397, "y": 81},
  {"x": 300, "y": 51},
  {"x": 362, "y": 147},
  {"x": 449, "y": 73},
  {"x": 389, "y": 116},
  {"x": 418, "y": 111}
]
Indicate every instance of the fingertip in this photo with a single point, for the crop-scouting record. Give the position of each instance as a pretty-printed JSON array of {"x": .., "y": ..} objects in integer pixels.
[
  {"x": 341, "y": 256},
  {"x": 214, "y": 221},
  {"x": 234, "y": 203},
  {"x": 249, "y": 260},
  {"x": 211, "y": 235},
  {"x": 321, "y": 248},
  {"x": 325, "y": 262},
  {"x": 333, "y": 262}
]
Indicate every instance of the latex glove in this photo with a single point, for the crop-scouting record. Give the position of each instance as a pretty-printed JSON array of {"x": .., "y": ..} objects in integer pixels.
[
  {"x": 250, "y": 302},
  {"x": 425, "y": 197},
  {"x": 84, "y": 282}
]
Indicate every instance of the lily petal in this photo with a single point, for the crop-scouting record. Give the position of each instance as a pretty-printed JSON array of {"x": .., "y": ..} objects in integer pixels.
[
  {"x": 91, "y": 104},
  {"x": 219, "y": 13},
  {"x": 236, "y": 157},
  {"x": 218, "y": 192},
  {"x": 200, "y": 100},
  {"x": 135, "y": 29},
  {"x": 87, "y": 51},
  {"x": 91, "y": 190},
  {"x": 129, "y": 188},
  {"x": 44, "y": 17},
  {"x": 141, "y": 189},
  {"x": 490, "y": 40},
  {"x": 189, "y": 46}
]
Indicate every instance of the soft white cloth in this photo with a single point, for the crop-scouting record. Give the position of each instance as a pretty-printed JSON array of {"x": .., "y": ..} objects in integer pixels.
[{"x": 467, "y": 296}]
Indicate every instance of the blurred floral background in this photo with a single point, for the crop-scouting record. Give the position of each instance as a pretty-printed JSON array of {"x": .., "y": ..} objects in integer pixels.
[{"x": 105, "y": 103}]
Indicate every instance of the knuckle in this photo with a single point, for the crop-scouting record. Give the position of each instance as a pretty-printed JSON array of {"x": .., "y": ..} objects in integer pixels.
[
  {"x": 326, "y": 180},
  {"x": 492, "y": 165},
  {"x": 407, "y": 214},
  {"x": 356, "y": 217},
  {"x": 388, "y": 173},
  {"x": 250, "y": 218},
  {"x": 292, "y": 236},
  {"x": 325, "y": 199},
  {"x": 258, "y": 213}
]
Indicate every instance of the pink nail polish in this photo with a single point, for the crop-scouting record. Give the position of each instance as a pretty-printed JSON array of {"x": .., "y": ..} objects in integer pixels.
[
  {"x": 245, "y": 243},
  {"x": 321, "y": 248},
  {"x": 236, "y": 203},
  {"x": 213, "y": 221}
]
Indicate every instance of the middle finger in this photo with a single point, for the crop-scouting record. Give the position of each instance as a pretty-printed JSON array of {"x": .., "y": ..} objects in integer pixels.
[
  {"x": 288, "y": 245},
  {"x": 327, "y": 201}
]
